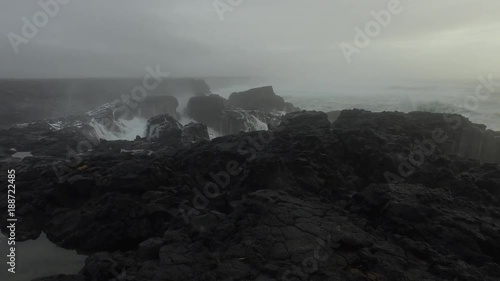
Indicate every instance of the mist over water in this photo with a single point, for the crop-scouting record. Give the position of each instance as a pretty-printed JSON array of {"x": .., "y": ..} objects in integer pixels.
[{"x": 438, "y": 97}]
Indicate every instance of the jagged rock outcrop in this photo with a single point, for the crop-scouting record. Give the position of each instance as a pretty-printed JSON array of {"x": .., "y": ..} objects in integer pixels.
[
  {"x": 310, "y": 201},
  {"x": 252, "y": 110},
  {"x": 206, "y": 109},
  {"x": 166, "y": 130},
  {"x": 452, "y": 133},
  {"x": 213, "y": 111},
  {"x": 262, "y": 98}
]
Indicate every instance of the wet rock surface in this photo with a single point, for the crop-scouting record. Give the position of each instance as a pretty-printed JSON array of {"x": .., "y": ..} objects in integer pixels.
[
  {"x": 165, "y": 130},
  {"x": 309, "y": 200}
]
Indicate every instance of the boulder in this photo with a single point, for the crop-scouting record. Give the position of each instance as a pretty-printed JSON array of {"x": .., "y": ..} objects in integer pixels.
[{"x": 164, "y": 128}]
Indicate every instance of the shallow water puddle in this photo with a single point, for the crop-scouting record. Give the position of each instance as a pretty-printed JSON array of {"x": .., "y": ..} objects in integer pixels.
[{"x": 38, "y": 258}]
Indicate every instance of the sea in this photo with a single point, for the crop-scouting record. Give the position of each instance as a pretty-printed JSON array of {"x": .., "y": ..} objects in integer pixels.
[{"x": 460, "y": 98}]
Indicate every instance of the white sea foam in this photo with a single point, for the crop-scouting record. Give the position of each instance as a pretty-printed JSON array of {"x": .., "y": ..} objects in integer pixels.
[
  {"x": 124, "y": 129},
  {"x": 256, "y": 124}
]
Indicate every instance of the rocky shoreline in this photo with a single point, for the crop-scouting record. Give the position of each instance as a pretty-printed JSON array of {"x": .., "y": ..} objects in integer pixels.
[{"x": 371, "y": 196}]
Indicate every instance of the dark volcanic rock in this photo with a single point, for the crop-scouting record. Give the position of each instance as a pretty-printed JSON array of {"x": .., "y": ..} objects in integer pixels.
[
  {"x": 235, "y": 120},
  {"x": 304, "y": 119},
  {"x": 195, "y": 132},
  {"x": 164, "y": 128},
  {"x": 452, "y": 133},
  {"x": 206, "y": 109},
  {"x": 212, "y": 111},
  {"x": 308, "y": 201},
  {"x": 262, "y": 98}
]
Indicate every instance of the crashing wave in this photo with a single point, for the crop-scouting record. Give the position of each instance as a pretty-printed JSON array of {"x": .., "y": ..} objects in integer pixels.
[{"x": 120, "y": 129}]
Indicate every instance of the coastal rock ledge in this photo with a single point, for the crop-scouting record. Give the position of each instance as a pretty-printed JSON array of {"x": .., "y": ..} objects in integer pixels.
[{"x": 369, "y": 197}]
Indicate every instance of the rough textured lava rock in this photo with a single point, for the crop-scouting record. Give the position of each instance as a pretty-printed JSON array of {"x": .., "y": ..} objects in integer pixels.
[
  {"x": 452, "y": 133},
  {"x": 308, "y": 201}
]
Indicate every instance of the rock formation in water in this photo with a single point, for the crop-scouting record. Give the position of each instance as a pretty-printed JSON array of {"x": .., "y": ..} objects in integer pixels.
[
  {"x": 166, "y": 130},
  {"x": 28, "y": 100},
  {"x": 255, "y": 109},
  {"x": 206, "y": 109},
  {"x": 262, "y": 98},
  {"x": 373, "y": 196}
]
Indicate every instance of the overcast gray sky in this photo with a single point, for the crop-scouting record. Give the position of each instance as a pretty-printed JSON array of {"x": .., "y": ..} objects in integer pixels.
[{"x": 429, "y": 39}]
